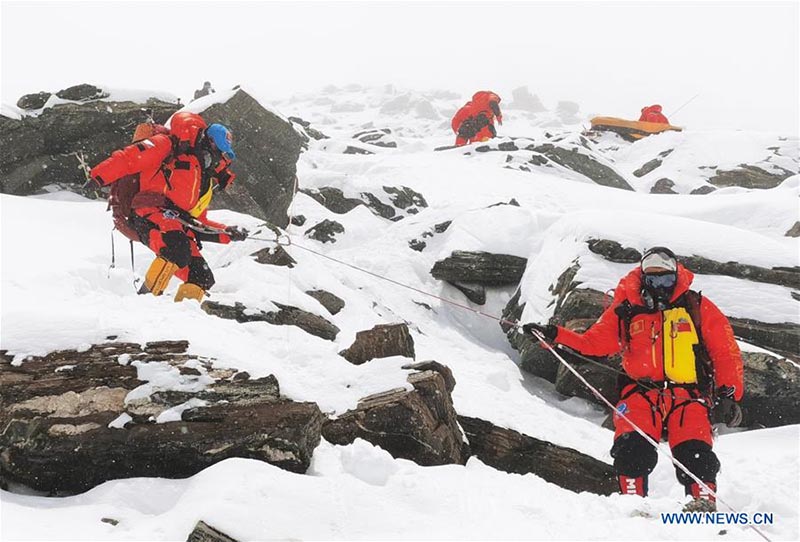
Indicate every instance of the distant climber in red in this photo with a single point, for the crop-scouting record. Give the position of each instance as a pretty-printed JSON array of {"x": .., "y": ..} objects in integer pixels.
[
  {"x": 475, "y": 121},
  {"x": 652, "y": 113}
]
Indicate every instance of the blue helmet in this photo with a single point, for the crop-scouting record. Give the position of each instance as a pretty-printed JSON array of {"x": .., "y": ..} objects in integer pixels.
[{"x": 222, "y": 139}]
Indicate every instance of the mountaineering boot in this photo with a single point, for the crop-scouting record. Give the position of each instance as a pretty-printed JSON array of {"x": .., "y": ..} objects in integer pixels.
[
  {"x": 157, "y": 277},
  {"x": 702, "y": 500},
  {"x": 633, "y": 486},
  {"x": 187, "y": 290}
]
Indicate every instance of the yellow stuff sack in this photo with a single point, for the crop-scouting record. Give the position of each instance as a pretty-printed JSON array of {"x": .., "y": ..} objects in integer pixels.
[{"x": 680, "y": 337}]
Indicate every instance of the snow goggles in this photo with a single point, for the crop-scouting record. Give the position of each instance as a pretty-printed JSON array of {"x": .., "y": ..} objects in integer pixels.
[{"x": 660, "y": 281}]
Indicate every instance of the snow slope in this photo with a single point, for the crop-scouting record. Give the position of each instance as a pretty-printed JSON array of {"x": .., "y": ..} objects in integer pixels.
[{"x": 58, "y": 292}]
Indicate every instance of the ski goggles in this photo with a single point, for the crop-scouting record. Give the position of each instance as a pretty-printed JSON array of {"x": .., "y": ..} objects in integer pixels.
[{"x": 660, "y": 281}]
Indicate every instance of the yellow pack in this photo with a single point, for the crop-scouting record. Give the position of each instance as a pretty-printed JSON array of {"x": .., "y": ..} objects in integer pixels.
[{"x": 679, "y": 338}]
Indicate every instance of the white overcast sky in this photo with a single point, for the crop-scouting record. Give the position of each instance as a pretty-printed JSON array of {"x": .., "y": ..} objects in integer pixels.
[{"x": 742, "y": 58}]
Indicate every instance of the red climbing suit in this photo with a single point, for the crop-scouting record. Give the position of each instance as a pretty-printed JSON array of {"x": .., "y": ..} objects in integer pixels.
[
  {"x": 475, "y": 120},
  {"x": 654, "y": 344},
  {"x": 173, "y": 184},
  {"x": 653, "y": 113}
]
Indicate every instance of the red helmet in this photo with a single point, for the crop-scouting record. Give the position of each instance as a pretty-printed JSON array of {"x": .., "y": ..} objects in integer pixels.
[{"x": 187, "y": 127}]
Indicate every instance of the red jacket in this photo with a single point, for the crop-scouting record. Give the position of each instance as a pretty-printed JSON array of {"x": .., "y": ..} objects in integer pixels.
[
  {"x": 649, "y": 349},
  {"x": 481, "y": 104},
  {"x": 653, "y": 113},
  {"x": 179, "y": 177}
]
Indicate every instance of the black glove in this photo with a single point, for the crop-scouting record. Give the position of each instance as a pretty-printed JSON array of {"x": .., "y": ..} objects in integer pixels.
[
  {"x": 549, "y": 331},
  {"x": 236, "y": 233},
  {"x": 726, "y": 409}
]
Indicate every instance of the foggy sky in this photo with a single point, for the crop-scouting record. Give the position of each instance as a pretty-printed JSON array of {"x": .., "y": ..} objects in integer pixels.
[{"x": 742, "y": 58}]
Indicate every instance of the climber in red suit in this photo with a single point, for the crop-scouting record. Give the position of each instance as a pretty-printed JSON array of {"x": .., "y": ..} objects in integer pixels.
[
  {"x": 178, "y": 173},
  {"x": 652, "y": 113},
  {"x": 677, "y": 347},
  {"x": 475, "y": 121}
]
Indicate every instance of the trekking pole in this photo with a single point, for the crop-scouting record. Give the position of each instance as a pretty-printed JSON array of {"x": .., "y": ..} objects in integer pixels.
[{"x": 684, "y": 105}]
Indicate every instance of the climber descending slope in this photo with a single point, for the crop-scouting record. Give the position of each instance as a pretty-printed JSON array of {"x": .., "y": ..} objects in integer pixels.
[
  {"x": 680, "y": 357},
  {"x": 175, "y": 176}
]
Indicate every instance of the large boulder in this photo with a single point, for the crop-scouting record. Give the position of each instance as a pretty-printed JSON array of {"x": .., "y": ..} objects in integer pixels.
[
  {"x": 33, "y": 101},
  {"x": 510, "y": 451},
  {"x": 49, "y": 149},
  {"x": 382, "y": 341},
  {"x": 419, "y": 425},
  {"x": 267, "y": 148},
  {"x": 74, "y": 419},
  {"x": 480, "y": 268}
]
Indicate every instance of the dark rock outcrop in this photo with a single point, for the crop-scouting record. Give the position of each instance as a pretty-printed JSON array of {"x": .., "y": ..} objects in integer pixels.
[
  {"x": 647, "y": 167},
  {"x": 663, "y": 186},
  {"x": 333, "y": 304},
  {"x": 203, "y": 532},
  {"x": 702, "y": 190},
  {"x": 419, "y": 245},
  {"x": 771, "y": 391},
  {"x": 583, "y": 164},
  {"x": 33, "y": 101},
  {"x": 402, "y": 199},
  {"x": 749, "y": 177},
  {"x": 788, "y": 277},
  {"x": 305, "y": 126},
  {"x": 267, "y": 150},
  {"x": 286, "y": 316},
  {"x": 510, "y": 451},
  {"x": 333, "y": 199},
  {"x": 419, "y": 425},
  {"x": 48, "y": 149},
  {"x": 380, "y": 137},
  {"x": 474, "y": 292},
  {"x": 325, "y": 231},
  {"x": 405, "y": 198},
  {"x": 67, "y": 423},
  {"x": 382, "y": 341},
  {"x": 276, "y": 255},
  {"x": 481, "y": 268},
  {"x": 782, "y": 338},
  {"x": 82, "y": 93},
  {"x": 794, "y": 231},
  {"x": 613, "y": 251}
]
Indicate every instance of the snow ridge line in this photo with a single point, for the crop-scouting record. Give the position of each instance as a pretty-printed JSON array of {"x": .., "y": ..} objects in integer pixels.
[{"x": 652, "y": 442}]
